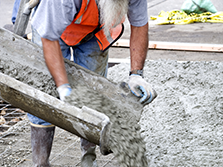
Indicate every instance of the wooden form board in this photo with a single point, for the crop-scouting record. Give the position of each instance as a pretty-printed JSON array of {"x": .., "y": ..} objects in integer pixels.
[{"x": 176, "y": 46}]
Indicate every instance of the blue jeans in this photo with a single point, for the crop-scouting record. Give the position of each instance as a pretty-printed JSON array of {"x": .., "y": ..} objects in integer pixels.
[
  {"x": 87, "y": 55},
  {"x": 15, "y": 10}
]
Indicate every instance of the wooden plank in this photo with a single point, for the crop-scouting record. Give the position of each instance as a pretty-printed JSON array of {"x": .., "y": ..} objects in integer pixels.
[{"x": 176, "y": 46}]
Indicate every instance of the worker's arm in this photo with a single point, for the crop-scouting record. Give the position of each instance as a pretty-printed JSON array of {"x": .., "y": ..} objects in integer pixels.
[
  {"x": 138, "y": 46},
  {"x": 55, "y": 63},
  {"x": 138, "y": 52}
]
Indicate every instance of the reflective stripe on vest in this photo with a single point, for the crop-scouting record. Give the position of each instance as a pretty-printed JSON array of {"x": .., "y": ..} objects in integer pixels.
[{"x": 86, "y": 24}]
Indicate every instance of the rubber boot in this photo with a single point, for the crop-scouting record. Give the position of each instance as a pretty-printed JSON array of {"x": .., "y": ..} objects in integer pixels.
[
  {"x": 41, "y": 141},
  {"x": 88, "y": 158}
]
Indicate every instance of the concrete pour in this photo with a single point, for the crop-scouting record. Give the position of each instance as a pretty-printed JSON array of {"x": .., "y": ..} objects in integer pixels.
[
  {"x": 130, "y": 149},
  {"x": 29, "y": 68},
  {"x": 125, "y": 139},
  {"x": 183, "y": 125}
]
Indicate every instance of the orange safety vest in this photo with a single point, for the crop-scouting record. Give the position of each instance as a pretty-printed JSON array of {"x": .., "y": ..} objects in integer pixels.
[{"x": 86, "y": 24}]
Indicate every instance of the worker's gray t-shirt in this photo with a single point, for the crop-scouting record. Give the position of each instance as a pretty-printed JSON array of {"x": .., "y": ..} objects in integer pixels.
[{"x": 53, "y": 16}]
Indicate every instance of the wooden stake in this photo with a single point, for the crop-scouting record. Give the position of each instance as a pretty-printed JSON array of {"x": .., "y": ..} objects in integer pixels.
[{"x": 176, "y": 46}]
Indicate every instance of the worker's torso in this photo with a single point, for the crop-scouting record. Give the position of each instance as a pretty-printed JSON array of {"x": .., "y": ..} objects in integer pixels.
[{"x": 86, "y": 24}]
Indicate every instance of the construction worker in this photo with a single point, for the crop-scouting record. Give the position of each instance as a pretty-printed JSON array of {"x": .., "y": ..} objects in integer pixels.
[{"x": 89, "y": 27}]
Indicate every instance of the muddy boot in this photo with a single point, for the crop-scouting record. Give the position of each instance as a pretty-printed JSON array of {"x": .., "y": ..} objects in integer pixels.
[
  {"x": 88, "y": 158},
  {"x": 41, "y": 141}
]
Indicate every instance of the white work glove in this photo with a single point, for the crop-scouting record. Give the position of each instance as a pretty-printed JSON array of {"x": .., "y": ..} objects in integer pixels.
[
  {"x": 141, "y": 88},
  {"x": 64, "y": 90}
]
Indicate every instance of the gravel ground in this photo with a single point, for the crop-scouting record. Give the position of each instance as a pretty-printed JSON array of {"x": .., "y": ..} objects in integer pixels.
[{"x": 183, "y": 126}]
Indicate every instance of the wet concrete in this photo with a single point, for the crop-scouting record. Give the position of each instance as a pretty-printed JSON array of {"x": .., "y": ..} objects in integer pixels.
[
  {"x": 183, "y": 126},
  {"x": 28, "y": 66},
  {"x": 125, "y": 140}
]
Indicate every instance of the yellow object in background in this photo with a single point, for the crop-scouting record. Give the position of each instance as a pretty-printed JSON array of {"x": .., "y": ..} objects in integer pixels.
[{"x": 180, "y": 17}]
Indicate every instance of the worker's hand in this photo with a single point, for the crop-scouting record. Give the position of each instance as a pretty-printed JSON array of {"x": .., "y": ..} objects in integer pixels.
[
  {"x": 64, "y": 90},
  {"x": 142, "y": 89}
]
